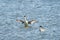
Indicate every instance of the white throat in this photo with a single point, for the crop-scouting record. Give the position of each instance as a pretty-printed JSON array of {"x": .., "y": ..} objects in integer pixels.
[{"x": 25, "y": 19}]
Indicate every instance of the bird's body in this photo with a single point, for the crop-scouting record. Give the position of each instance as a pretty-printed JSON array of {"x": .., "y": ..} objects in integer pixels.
[
  {"x": 26, "y": 23},
  {"x": 42, "y": 29}
]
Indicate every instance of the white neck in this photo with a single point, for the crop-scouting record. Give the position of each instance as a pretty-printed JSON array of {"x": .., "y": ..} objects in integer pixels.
[{"x": 25, "y": 18}]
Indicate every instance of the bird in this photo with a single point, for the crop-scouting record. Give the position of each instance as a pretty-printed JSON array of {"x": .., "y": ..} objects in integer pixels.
[
  {"x": 26, "y": 22},
  {"x": 42, "y": 29}
]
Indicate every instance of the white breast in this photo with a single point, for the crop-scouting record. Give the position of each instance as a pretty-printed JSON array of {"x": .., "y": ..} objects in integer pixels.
[
  {"x": 26, "y": 21},
  {"x": 42, "y": 29}
]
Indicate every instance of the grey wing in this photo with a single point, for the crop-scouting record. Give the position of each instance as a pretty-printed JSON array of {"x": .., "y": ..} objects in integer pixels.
[
  {"x": 31, "y": 22},
  {"x": 20, "y": 21}
]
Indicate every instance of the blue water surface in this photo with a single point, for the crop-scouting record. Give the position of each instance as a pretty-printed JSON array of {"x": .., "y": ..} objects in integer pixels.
[{"x": 46, "y": 12}]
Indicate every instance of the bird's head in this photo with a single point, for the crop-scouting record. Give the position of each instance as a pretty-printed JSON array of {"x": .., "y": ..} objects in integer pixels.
[
  {"x": 40, "y": 26},
  {"x": 24, "y": 16}
]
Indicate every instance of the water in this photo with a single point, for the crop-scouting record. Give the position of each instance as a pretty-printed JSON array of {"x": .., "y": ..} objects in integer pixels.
[{"x": 47, "y": 12}]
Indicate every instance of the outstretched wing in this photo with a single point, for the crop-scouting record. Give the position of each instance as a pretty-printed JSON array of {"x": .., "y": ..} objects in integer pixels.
[
  {"x": 31, "y": 22},
  {"x": 20, "y": 21}
]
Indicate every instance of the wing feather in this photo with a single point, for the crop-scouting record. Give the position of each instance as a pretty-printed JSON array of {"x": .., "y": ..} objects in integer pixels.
[
  {"x": 31, "y": 22},
  {"x": 20, "y": 21}
]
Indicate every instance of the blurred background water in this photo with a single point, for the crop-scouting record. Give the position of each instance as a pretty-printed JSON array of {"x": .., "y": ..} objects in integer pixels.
[{"x": 47, "y": 12}]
